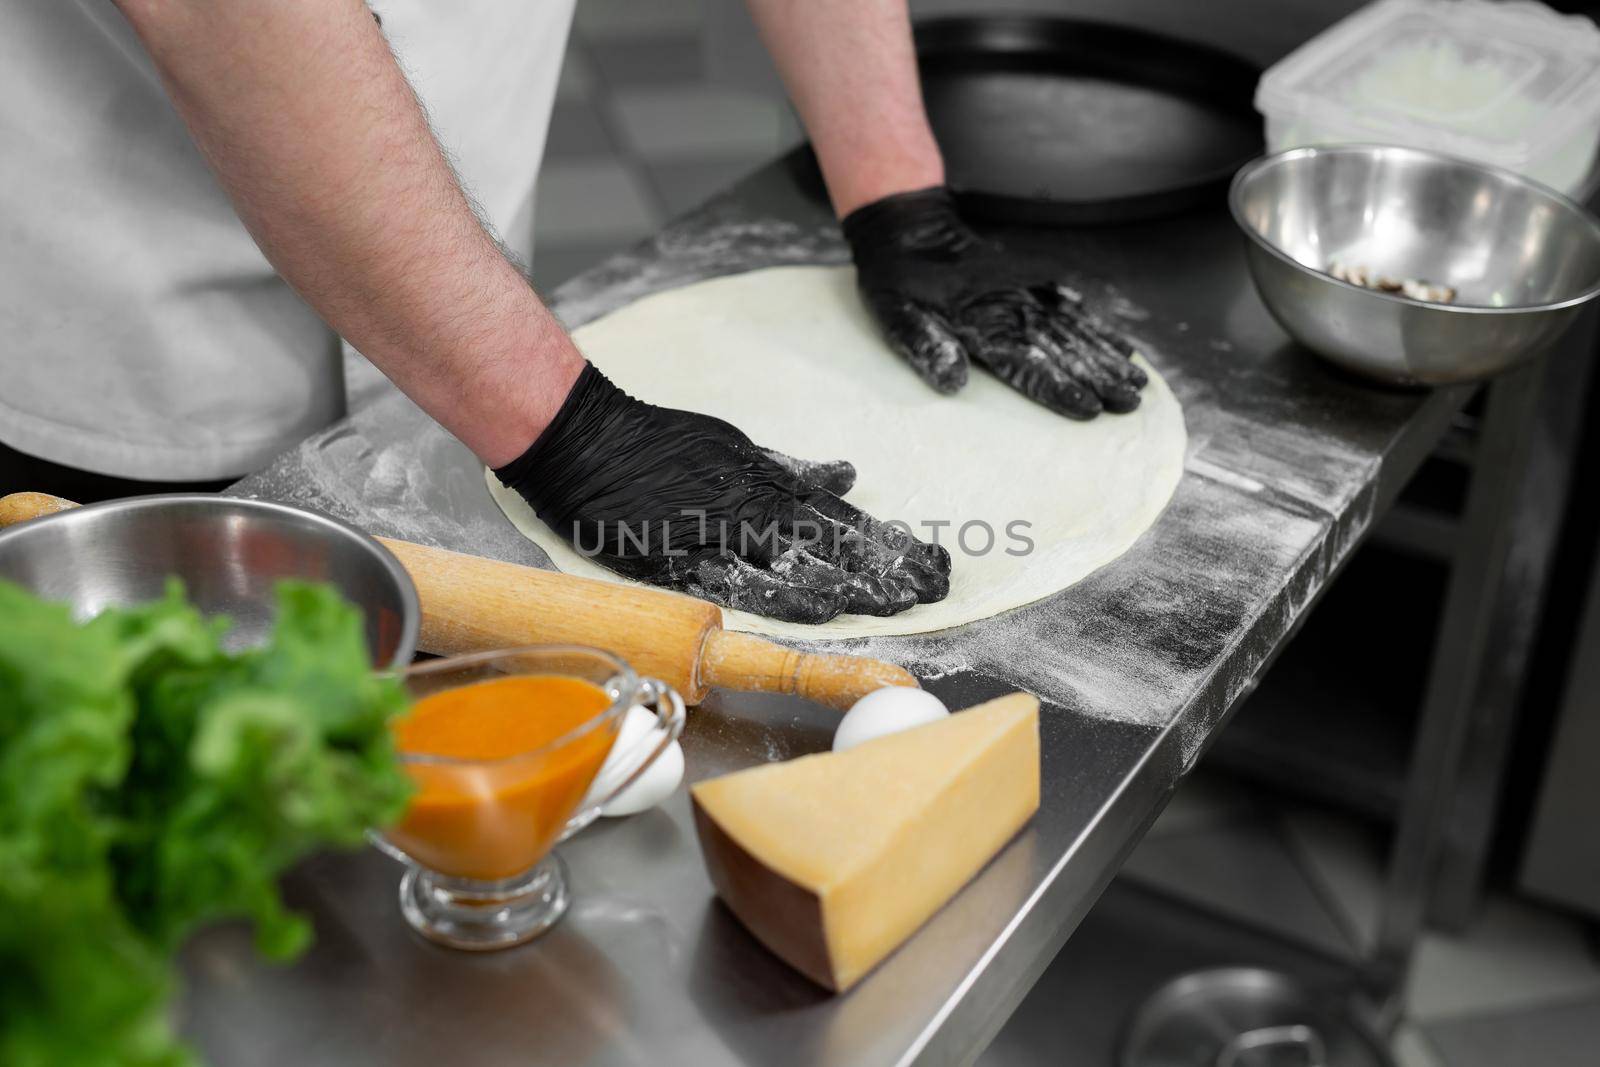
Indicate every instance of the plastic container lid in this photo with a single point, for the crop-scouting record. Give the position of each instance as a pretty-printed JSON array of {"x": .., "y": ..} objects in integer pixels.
[{"x": 1509, "y": 83}]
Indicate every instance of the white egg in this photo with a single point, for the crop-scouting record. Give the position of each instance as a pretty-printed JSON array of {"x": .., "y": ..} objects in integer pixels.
[
  {"x": 887, "y": 711},
  {"x": 657, "y": 781}
]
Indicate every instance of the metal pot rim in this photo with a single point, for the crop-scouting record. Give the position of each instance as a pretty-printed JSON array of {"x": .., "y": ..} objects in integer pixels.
[
  {"x": 1274, "y": 159},
  {"x": 411, "y": 611}
]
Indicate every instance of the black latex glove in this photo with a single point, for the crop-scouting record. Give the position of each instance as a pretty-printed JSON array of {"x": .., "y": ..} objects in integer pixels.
[
  {"x": 944, "y": 295},
  {"x": 686, "y": 501}
]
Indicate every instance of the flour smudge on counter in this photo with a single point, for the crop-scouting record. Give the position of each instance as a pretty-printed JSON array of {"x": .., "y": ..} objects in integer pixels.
[{"x": 1267, "y": 492}]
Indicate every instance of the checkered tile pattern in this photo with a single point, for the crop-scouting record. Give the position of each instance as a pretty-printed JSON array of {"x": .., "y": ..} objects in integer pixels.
[{"x": 646, "y": 126}]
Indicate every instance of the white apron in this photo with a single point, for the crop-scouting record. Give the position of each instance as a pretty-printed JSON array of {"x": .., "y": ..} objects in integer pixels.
[{"x": 142, "y": 333}]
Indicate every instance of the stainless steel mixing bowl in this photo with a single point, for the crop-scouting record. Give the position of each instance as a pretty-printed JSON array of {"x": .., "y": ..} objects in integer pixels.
[
  {"x": 229, "y": 554},
  {"x": 1523, "y": 258}
]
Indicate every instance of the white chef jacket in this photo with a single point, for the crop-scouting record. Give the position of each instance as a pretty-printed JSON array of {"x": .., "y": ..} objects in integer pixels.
[{"x": 142, "y": 333}]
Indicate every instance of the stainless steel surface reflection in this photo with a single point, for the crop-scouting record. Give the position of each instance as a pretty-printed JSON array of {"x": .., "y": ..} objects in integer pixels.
[
  {"x": 1139, "y": 663},
  {"x": 1239, "y": 1016},
  {"x": 1523, "y": 258},
  {"x": 229, "y": 553}
]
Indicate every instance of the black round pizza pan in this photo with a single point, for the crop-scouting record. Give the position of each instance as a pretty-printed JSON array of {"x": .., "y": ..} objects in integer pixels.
[{"x": 1068, "y": 122}]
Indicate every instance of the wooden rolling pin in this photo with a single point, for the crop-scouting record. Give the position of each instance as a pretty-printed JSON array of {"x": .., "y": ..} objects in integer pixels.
[{"x": 470, "y": 604}]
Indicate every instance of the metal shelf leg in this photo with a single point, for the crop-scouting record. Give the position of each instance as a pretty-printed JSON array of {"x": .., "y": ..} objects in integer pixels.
[{"x": 1466, "y": 666}]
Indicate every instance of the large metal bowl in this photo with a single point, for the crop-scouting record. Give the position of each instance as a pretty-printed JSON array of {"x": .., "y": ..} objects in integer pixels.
[
  {"x": 1523, "y": 258},
  {"x": 229, "y": 553}
]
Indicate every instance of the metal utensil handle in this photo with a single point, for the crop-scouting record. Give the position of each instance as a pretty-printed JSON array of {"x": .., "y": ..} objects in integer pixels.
[
  {"x": 664, "y": 701},
  {"x": 1269, "y": 1036}
]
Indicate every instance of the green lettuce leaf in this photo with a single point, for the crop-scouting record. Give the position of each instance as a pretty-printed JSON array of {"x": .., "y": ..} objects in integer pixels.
[{"x": 151, "y": 782}]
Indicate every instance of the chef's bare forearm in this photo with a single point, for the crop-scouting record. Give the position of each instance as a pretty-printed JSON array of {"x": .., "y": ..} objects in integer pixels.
[
  {"x": 851, "y": 70},
  {"x": 302, "y": 111}
]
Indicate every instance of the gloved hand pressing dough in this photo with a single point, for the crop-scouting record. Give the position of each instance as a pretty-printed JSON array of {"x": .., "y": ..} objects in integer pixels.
[
  {"x": 686, "y": 501},
  {"x": 944, "y": 295}
]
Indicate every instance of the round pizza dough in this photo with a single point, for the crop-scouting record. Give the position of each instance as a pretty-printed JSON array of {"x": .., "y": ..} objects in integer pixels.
[{"x": 789, "y": 356}]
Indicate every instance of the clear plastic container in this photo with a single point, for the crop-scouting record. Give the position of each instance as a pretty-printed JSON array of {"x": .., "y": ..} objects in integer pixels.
[{"x": 1513, "y": 84}]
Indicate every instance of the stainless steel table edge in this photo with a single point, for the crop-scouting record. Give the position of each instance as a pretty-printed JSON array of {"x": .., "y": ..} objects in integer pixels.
[{"x": 988, "y": 995}]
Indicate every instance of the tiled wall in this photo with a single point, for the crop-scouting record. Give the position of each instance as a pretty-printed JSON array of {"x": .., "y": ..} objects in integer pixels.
[{"x": 651, "y": 119}]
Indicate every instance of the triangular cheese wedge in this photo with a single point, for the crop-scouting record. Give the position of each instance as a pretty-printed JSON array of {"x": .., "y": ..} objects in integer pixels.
[{"x": 833, "y": 860}]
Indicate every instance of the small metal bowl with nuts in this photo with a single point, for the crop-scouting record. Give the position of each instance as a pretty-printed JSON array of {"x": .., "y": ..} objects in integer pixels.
[{"x": 1410, "y": 266}]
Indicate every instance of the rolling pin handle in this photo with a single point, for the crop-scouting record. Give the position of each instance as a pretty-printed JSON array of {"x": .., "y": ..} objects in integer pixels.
[
  {"x": 741, "y": 661},
  {"x": 20, "y": 507}
]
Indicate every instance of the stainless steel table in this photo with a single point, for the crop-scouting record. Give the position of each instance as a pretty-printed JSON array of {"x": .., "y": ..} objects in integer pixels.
[{"x": 1288, "y": 465}]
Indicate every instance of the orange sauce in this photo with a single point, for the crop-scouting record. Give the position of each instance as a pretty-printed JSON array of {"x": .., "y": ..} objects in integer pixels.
[{"x": 498, "y": 816}]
